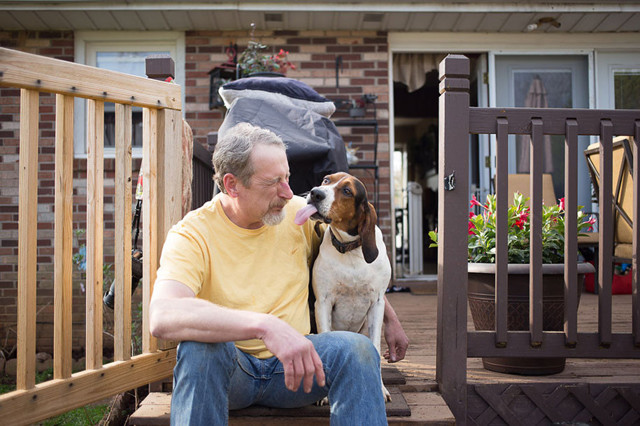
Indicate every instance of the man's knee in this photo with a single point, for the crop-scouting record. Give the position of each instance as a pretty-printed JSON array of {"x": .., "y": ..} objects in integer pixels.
[
  {"x": 198, "y": 357},
  {"x": 362, "y": 348},
  {"x": 354, "y": 347}
]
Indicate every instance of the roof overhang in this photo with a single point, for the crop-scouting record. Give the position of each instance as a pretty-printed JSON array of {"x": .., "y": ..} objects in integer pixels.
[{"x": 499, "y": 16}]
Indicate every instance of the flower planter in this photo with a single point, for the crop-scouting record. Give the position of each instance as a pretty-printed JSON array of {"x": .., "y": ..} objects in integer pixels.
[
  {"x": 265, "y": 74},
  {"x": 481, "y": 295}
]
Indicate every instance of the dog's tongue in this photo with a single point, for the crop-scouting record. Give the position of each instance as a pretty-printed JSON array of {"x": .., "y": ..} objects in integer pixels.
[{"x": 304, "y": 214}]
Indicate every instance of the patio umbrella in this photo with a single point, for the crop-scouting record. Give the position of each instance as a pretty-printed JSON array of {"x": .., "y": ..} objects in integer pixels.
[{"x": 536, "y": 98}]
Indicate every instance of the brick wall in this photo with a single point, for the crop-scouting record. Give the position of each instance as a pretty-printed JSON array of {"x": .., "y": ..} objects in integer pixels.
[
  {"x": 364, "y": 71},
  {"x": 59, "y": 45}
]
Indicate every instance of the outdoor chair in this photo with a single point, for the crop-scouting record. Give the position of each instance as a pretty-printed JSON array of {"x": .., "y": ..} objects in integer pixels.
[
  {"x": 622, "y": 193},
  {"x": 519, "y": 182}
]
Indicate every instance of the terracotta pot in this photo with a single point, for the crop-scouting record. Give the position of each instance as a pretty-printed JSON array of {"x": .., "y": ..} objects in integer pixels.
[{"x": 481, "y": 295}]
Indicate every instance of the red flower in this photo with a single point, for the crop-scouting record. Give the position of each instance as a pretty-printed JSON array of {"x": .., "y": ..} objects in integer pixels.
[
  {"x": 519, "y": 223},
  {"x": 561, "y": 203},
  {"x": 524, "y": 216},
  {"x": 474, "y": 201}
]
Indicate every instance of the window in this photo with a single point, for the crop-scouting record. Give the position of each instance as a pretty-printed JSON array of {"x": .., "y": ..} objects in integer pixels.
[
  {"x": 626, "y": 83},
  {"x": 123, "y": 52}
]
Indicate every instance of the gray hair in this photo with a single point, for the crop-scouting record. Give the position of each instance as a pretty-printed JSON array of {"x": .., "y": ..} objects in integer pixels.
[{"x": 233, "y": 152}]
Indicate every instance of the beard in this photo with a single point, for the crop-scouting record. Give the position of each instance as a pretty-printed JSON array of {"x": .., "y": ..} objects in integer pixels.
[{"x": 274, "y": 217}]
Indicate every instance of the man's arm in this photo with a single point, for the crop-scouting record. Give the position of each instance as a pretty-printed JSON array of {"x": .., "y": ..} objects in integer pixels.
[
  {"x": 394, "y": 335},
  {"x": 176, "y": 314}
]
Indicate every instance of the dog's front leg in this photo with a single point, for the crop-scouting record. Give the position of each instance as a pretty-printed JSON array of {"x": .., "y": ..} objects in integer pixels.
[
  {"x": 323, "y": 307},
  {"x": 375, "y": 319}
]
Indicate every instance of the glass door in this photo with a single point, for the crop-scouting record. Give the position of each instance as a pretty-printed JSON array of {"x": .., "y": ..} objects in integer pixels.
[{"x": 541, "y": 81}]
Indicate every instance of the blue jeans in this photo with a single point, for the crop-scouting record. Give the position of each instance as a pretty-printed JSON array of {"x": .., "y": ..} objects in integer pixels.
[{"x": 210, "y": 379}]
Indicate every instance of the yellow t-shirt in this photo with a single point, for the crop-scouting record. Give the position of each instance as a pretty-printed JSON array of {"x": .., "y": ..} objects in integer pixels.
[{"x": 262, "y": 270}]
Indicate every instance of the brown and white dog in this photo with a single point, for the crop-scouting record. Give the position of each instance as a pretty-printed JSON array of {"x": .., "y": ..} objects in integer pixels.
[{"x": 352, "y": 271}]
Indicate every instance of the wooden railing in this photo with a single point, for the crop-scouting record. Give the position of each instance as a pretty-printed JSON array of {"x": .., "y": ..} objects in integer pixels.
[
  {"x": 455, "y": 343},
  {"x": 162, "y": 132}
]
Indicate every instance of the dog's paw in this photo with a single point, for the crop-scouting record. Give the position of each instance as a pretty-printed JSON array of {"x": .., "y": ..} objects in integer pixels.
[
  {"x": 386, "y": 394},
  {"x": 323, "y": 401}
]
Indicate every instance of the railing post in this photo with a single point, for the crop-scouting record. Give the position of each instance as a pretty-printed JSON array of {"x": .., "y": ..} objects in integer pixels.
[
  {"x": 160, "y": 67},
  {"x": 453, "y": 208},
  {"x": 168, "y": 183}
]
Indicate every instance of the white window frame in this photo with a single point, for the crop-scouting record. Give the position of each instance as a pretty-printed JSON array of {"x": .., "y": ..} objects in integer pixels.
[{"x": 88, "y": 43}]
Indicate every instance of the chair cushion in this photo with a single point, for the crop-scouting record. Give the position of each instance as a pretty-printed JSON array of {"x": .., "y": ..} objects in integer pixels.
[
  {"x": 279, "y": 89},
  {"x": 623, "y": 250}
]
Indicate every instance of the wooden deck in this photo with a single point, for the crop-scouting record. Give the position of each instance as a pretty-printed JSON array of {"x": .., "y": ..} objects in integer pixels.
[
  {"x": 417, "y": 312},
  {"x": 418, "y": 316}
]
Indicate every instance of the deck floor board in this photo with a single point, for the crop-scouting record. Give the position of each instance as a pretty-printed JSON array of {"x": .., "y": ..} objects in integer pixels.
[{"x": 418, "y": 314}]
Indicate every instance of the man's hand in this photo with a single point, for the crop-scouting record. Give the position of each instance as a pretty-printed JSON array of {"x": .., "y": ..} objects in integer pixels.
[
  {"x": 397, "y": 341},
  {"x": 297, "y": 354},
  {"x": 394, "y": 335}
]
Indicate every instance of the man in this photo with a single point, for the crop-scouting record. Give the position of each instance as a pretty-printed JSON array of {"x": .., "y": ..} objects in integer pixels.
[{"x": 237, "y": 270}]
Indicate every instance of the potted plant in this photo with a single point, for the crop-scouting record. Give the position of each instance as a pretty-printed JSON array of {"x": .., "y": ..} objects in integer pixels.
[
  {"x": 481, "y": 267},
  {"x": 254, "y": 61}
]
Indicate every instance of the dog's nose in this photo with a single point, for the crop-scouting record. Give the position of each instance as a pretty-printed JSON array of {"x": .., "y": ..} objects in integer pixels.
[{"x": 317, "y": 195}]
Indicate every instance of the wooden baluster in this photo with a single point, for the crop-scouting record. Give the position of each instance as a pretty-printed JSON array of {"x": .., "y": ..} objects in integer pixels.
[
  {"x": 63, "y": 266},
  {"x": 122, "y": 276},
  {"x": 535, "y": 237},
  {"x": 502, "y": 231},
  {"x": 94, "y": 244},
  {"x": 570, "y": 233},
  {"x": 27, "y": 239},
  {"x": 606, "y": 232},
  {"x": 149, "y": 219}
]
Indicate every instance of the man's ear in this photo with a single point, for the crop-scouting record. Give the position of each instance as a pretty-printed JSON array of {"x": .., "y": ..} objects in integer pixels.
[{"x": 230, "y": 184}]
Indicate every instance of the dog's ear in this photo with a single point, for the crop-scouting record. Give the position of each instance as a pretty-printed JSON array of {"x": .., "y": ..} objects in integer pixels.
[
  {"x": 318, "y": 228},
  {"x": 367, "y": 232}
]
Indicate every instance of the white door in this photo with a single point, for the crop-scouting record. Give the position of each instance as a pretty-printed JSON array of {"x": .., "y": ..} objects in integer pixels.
[
  {"x": 554, "y": 81},
  {"x": 618, "y": 80}
]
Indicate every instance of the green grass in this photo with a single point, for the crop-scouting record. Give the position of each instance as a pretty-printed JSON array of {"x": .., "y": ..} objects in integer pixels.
[
  {"x": 83, "y": 416},
  {"x": 6, "y": 388}
]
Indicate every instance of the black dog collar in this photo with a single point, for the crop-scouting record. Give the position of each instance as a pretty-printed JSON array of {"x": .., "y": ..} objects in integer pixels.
[{"x": 344, "y": 247}]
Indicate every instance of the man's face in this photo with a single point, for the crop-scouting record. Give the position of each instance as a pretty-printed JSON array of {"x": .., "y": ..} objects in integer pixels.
[{"x": 268, "y": 190}]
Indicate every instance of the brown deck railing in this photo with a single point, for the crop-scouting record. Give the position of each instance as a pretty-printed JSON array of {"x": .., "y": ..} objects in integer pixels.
[
  {"x": 162, "y": 133},
  {"x": 455, "y": 342}
]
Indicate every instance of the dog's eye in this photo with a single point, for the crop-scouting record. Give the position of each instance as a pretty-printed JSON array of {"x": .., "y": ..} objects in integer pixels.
[
  {"x": 325, "y": 181},
  {"x": 346, "y": 191}
]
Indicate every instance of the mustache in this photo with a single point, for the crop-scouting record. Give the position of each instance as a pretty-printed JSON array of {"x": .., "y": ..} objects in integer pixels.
[{"x": 278, "y": 205}]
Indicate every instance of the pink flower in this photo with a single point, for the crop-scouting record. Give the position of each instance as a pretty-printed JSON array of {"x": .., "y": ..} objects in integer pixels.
[
  {"x": 471, "y": 227},
  {"x": 475, "y": 202}
]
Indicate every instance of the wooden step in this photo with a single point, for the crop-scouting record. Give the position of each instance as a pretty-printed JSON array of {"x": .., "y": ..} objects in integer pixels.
[
  {"x": 409, "y": 408},
  {"x": 410, "y": 404}
]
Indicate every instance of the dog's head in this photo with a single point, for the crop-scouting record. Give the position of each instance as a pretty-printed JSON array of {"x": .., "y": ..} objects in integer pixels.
[{"x": 342, "y": 201}]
